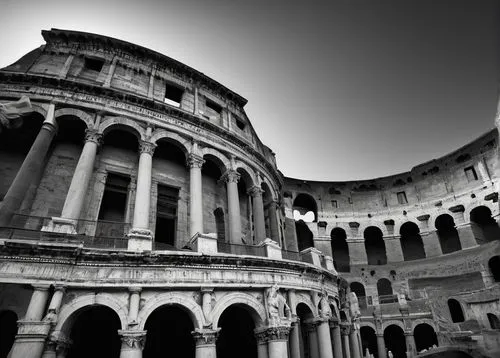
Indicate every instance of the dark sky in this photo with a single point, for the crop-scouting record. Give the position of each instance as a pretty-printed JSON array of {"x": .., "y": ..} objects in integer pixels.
[{"x": 339, "y": 89}]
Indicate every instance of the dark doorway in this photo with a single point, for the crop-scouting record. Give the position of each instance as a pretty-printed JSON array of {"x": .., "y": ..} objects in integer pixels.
[
  {"x": 169, "y": 334},
  {"x": 411, "y": 242},
  {"x": 484, "y": 227},
  {"x": 166, "y": 217},
  {"x": 375, "y": 246},
  {"x": 425, "y": 337},
  {"x": 448, "y": 234},
  {"x": 359, "y": 290},
  {"x": 98, "y": 325},
  {"x": 369, "y": 341},
  {"x": 494, "y": 264},
  {"x": 236, "y": 337},
  {"x": 456, "y": 313},
  {"x": 385, "y": 293},
  {"x": 113, "y": 206},
  {"x": 395, "y": 341},
  {"x": 8, "y": 331},
  {"x": 304, "y": 313},
  {"x": 340, "y": 249},
  {"x": 304, "y": 235},
  {"x": 305, "y": 203},
  {"x": 220, "y": 225}
]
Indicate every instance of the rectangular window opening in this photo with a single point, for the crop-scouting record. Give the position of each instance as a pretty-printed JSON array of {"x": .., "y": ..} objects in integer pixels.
[
  {"x": 166, "y": 217},
  {"x": 335, "y": 204},
  {"x": 214, "y": 106},
  {"x": 471, "y": 174},
  {"x": 111, "y": 216},
  {"x": 402, "y": 198},
  {"x": 240, "y": 124},
  {"x": 93, "y": 64},
  {"x": 173, "y": 95}
]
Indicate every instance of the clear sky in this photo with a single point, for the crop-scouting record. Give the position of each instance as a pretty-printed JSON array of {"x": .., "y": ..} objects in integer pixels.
[{"x": 339, "y": 89}]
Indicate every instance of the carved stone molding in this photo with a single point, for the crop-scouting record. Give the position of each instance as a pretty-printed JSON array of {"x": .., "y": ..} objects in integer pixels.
[
  {"x": 255, "y": 191},
  {"x": 277, "y": 333},
  {"x": 147, "y": 147},
  {"x": 231, "y": 176},
  {"x": 91, "y": 135},
  {"x": 133, "y": 339},
  {"x": 195, "y": 161},
  {"x": 205, "y": 336}
]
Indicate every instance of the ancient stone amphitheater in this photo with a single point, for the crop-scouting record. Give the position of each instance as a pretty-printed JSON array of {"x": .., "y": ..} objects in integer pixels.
[{"x": 141, "y": 216}]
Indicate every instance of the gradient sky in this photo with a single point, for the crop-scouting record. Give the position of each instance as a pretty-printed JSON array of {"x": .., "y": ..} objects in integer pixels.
[{"x": 339, "y": 89}]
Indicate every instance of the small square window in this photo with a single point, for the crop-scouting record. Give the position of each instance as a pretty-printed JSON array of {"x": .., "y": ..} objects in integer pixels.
[
  {"x": 402, "y": 198},
  {"x": 214, "y": 106},
  {"x": 335, "y": 204},
  {"x": 173, "y": 95},
  {"x": 93, "y": 64},
  {"x": 350, "y": 200},
  {"x": 240, "y": 124},
  {"x": 470, "y": 173}
]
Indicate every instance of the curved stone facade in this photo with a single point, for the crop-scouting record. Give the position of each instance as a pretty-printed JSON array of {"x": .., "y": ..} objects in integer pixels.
[{"x": 141, "y": 211}]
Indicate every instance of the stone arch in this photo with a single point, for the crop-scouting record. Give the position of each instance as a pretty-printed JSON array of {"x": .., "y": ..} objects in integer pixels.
[
  {"x": 246, "y": 171},
  {"x": 411, "y": 242},
  {"x": 368, "y": 324},
  {"x": 495, "y": 209},
  {"x": 169, "y": 298},
  {"x": 365, "y": 225},
  {"x": 257, "y": 310},
  {"x": 183, "y": 143},
  {"x": 126, "y": 123},
  {"x": 272, "y": 191},
  {"x": 374, "y": 243},
  {"x": 217, "y": 157},
  {"x": 386, "y": 324},
  {"x": 39, "y": 108},
  {"x": 304, "y": 203},
  {"x": 306, "y": 301},
  {"x": 66, "y": 316},
  {"x": 483, "y": 224},
  {"x": 82, "y": 115},
  {"x": 456, "y": 310}
]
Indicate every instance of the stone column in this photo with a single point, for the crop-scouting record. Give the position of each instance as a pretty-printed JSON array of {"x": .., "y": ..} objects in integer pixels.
[
  {"x": 140, "y": 237},
  {"x": 111, "y": 72},
  {"x": 277, "y": 341},
  {"x": 79, "y": 185},
  {"x": 393, "y": 248},
  {"x": 133, "y": 304},
  {"x": 64, "y": 70},
  {"x": 357, "y": 251},
  {"x": 430, "y": 239},
  {"x": 261, "y": 338},
  {"x": 195, "y": 163},
  {"x": 151, "y": 86},
  {"x": 336, "y": 339},
  {"x": 295, "y": 339},
  {"x": 31, "y": 168},
  {"x": 312, "y": 337},
  {"x": 344, "y": 329},
  {"x": 56, "y": 347},
  {"x": 354, "y": 344},
  {"x": 205, "y": 340},
  {"x": 32, "y": 331},
  {"x": 465, "y": 233},
  {"x": 231, "y": 178},
  {"x": 382, "y": 351},
  {"x": 258, "y": 213},
  {"x": 133, "y": 343},
  {"x": 273, "y": 221},
  {"x": 324, "y": 339},
  {"x": 410, "y": 344}
]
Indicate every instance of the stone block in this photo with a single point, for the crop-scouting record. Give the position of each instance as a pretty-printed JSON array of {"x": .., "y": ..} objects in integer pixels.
[
  {"x": 311, "y": 255},
  {"x": 273, "y": 250},
  {"x": 205, "y": 243}
]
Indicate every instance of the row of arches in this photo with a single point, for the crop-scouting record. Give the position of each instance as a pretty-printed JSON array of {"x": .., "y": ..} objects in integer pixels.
[{"x": 484, "y": 228}]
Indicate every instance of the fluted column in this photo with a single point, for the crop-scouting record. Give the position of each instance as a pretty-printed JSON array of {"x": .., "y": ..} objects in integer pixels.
[
  {"x": 354, "y": 344},
  {"x": 205, "y": 341},
  {"x": 344, "y": 329},
  {"x": 295, "y": 339},
  {"x": 382, "y": 352},
  {"x": 32, "y": 331},
  {"x": 195, "y": 163},
  {"x": 81, "y": 177},
  {"x": 261, "y": 339},
  {"x": 258, "y": 213},
  {"x": 312, "y": 337},
  {"x": 324, "y": 339},
  {"x": 336, "y": 339},
  {"x": 272, "y": 341},
  {"x": 132, "y": 343},
  {"x": 273, "y": 221},
  {"x": 231, "y": 178},
  {"x": 140, "y": 237},
  {"x": 31, "y": 168}
]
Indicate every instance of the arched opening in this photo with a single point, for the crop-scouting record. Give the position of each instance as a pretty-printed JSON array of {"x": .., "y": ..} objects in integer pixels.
[
  {"x": 236, "y": 337},
  {"x": 448, "y": 234},
  {"x": 304, "y": 313},
  {"x": 494, "y": 265},
  {"x": 304, "y": 235},
  {"x": 267, "y": 199},
  {"x": 247, "y": 229},
  {"x": 394, "y": 338},
  {"x": 411, "y": 242},
  {"x": 494, "y": 321},
  {"x": 425, "y": 337},
  {"x": 8, "y": 331},
  {"x": 359, "y": 290},
  {"x": 484, "y": 227},
  {"x": 306, "y": 206},
  {"x": 99, "y": 325},
  {"x": 340, "y": 249},
  {"x": 375, "y": 246},
  {"x": 214, "y": 197},
  {"x": 169, "y": 166},
  {"x": 384, "y": 290},
  {"x": 456, "y": 313},
  {"x": 169, "y": 331},
  {"x": 369, "y": 341}
]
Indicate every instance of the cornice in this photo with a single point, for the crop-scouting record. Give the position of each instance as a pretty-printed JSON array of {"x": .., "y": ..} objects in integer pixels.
[{"x": 23, "y": 79}]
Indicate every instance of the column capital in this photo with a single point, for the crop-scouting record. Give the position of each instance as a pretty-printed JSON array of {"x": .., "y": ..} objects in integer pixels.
[
  {"x": 92, "y": 135},
  {"x": 205, "y": 336},
  {"x": 133, "y": 339},
  {"x": 277, "y": 333},
  {"x": 195, "y": 161},
  {"x": 345, "y": 329},
  {"x": 40, "y": 287},
  {"x": 255, "y": 191},
  {"x": 146, "y": 147},
  {"x": 231, "y": 176},
  {"x": 135, "y": 289}
]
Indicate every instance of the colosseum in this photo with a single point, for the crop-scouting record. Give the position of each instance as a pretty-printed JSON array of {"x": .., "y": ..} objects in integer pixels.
[{"x": 141, "y": 216}]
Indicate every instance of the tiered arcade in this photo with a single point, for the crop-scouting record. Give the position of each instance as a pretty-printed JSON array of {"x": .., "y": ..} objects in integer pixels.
[{"x": 140, "y": 215}]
